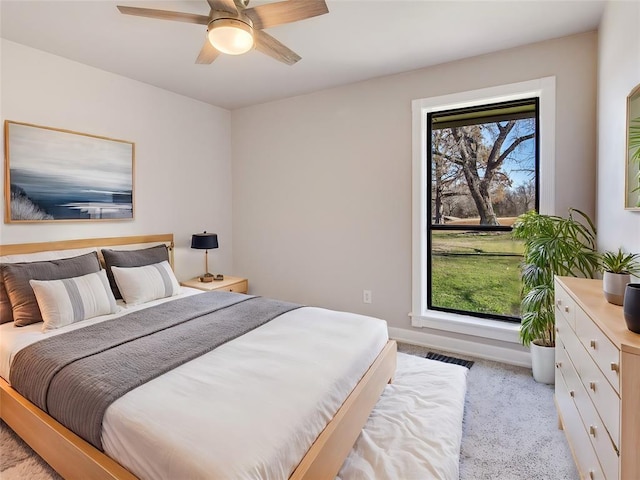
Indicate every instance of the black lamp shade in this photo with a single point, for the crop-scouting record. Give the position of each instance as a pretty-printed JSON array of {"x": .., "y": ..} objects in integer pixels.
[{"x": 204, "y": 241}]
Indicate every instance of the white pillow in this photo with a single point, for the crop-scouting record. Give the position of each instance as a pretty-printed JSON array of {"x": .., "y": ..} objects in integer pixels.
[
  {"x": 143, "y": 284},
  {"x": 70, "y": 300}
]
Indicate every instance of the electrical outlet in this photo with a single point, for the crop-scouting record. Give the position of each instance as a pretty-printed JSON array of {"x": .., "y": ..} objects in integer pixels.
[{"x": 366, "y": 296}]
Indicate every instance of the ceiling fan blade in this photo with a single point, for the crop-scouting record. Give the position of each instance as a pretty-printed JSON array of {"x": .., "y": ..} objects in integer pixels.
[
  {"x": 268, "y": 45},
  {"x": 207, "y": 54},
  {"x": 165, "y": 15},
  {"x": 287, "y": 11},
  {"x": 223, "y": 5},
  {"x": 241, "y": 4}
]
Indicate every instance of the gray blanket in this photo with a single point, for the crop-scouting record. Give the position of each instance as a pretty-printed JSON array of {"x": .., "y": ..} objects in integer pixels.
[{"x": 75, "y": 376}]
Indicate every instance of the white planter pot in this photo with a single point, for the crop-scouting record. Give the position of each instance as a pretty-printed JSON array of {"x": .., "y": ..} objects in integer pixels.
[
  {"x": 613, "y": 285},
  {"x": 543, "y": 361}
]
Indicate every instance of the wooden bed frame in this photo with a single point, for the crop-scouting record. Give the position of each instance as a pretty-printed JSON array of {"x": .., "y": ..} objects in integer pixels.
[{"x": 74, "y": 458}]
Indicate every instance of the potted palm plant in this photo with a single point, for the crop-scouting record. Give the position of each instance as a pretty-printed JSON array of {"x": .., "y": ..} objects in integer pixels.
[
  {"x": 617, "y": 268},
  {"x": 553, "y": 245}
]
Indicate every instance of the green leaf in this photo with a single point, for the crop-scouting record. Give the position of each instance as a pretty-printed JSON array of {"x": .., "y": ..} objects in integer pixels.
[{"x": 553, "y": 245}]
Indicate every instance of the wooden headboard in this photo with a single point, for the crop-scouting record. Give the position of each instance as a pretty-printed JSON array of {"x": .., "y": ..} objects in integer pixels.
[{"x": 25, "y": 248}]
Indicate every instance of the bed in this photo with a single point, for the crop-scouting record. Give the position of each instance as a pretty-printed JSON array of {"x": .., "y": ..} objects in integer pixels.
[{"x": 315, "y": 376}]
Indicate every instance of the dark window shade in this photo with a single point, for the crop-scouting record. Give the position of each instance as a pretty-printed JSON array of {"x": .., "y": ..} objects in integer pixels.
[{"x": 499, "y": 112}]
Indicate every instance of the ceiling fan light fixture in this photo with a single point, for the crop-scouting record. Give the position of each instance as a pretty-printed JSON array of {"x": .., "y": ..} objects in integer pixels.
[{"x": 230, "y": 36}]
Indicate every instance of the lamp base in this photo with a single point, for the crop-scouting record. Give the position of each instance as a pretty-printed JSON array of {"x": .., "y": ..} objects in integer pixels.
[{"x": 210, "y": 277}]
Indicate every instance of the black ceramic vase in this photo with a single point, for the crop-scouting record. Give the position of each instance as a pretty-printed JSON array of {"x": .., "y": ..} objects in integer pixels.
[{"x": 631, "y": 307}]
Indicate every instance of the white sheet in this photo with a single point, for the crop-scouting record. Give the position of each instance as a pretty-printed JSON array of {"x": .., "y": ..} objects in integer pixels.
[
  {"x": 249, "y": 409},
  {"x": 414, "y": 431}
]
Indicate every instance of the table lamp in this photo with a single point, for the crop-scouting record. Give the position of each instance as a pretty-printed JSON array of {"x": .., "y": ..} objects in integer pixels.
[{"x": 206, "y": 241}]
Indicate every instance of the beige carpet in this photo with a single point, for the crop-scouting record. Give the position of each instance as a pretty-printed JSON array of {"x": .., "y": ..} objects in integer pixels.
[
  {"x": 509, "y": 431},
  {"x": 18, "y": 461},
  {"x": 510, "y": 427}
]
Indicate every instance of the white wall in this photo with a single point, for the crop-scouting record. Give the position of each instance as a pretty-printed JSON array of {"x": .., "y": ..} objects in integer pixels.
[
  {"x": 183, "y": 151},
  {"x": 322, "y": 182},
  {"x": 618, "y": 74}
]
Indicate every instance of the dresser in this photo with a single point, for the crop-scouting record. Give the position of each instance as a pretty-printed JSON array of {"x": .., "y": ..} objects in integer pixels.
[{"x": 597, "y": 381}]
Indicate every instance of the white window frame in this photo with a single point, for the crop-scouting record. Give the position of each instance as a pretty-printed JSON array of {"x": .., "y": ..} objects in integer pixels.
[{"x": 545, "y": 90}]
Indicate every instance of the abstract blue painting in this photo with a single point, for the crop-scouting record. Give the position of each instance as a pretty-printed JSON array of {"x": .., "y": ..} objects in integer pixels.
[{"x": 56, "y": 174}]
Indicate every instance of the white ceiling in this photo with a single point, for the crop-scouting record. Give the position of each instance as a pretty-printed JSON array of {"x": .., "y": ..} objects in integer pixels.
[{"x": 357, "y": 40}]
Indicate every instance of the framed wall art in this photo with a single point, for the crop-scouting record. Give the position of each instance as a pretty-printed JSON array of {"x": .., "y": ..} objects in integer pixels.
[
  {"x": 60, "y": 175},
  {"x": 632, "y": 158}
]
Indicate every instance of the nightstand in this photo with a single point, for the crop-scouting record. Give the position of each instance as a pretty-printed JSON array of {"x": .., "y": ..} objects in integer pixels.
[{"x": 229, "y": 284}]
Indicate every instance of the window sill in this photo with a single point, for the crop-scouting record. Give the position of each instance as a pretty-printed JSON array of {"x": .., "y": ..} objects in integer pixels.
[{"x": 477, "y": 327}]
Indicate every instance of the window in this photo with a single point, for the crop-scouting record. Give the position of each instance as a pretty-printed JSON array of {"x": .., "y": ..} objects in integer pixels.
[
  {"x": 442, "y": 212},
  {"x": 482, "y": 172}
]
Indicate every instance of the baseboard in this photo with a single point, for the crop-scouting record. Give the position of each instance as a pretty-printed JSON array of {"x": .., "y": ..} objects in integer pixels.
[{"x": 506, "y": 353}]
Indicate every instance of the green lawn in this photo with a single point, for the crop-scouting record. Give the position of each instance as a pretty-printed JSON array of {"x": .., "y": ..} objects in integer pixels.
[{"x": 476, "y": 272}]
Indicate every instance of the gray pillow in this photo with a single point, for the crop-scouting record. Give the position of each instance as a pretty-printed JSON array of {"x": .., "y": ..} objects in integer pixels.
[
  {"x": 6, "y": 315},
  {"x": 16, "y": 278},
  {"x": 132, "y": 258}
]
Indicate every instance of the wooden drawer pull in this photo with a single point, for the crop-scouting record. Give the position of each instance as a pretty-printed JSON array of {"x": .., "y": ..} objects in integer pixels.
[
  {"x": 558, "y": 364},
  {"x": 615, "y": 367},
  {"x": 592, "y": 344},
  {"x": 591, "y": 475},
  {"x": 592, "y": 386},
  {"x": 559, "y": 302},
  {"x": 566, "y": 309},
  {"x": 572, "y": 393},
  {"x": 592, "y": 430}
]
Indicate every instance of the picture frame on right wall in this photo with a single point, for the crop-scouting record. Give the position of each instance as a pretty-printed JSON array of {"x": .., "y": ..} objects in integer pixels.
[{"x": 632, "y": 152}]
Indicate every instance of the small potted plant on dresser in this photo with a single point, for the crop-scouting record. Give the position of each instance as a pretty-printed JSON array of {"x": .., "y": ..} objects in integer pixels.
[
  {"x": 553, "y": 245},
  {"x": 617, "y": 268}
]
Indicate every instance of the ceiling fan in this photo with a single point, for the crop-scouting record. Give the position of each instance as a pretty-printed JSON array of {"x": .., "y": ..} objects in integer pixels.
[{"x": 234, "y": 28}]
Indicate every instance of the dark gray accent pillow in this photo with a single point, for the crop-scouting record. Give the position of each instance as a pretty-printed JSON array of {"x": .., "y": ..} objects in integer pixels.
[
  {"x": 16, "y": 278},
  {"x": 132, "y": 258},
  {"x": 6, "y": 315}
]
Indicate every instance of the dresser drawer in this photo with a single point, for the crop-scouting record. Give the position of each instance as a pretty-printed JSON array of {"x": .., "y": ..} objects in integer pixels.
[
  {"x": 602, "y": 394},
  {"x": 566, "y": 345},
  {"x": 604, "y": 398},
  {"x": 562, "y": 326},
  {"x": 568, "y": 371},
  {"x": 598, "y": 435},
  {"x": 566, "y": 341},
  {"x": 565, "y": 305},
  {"x": 604, "y": 353},
  {"x": 593, "y": 425},
  {"x": 585, "y": 456}
]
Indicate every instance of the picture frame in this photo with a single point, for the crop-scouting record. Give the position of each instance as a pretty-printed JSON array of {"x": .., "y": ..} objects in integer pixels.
[
  {"x": 54, "y": 175},
  {"x": 632, "y": 152}
]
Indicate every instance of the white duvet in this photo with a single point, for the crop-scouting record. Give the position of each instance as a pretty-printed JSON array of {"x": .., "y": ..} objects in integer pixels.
[{"x": 250, "y": 409}]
